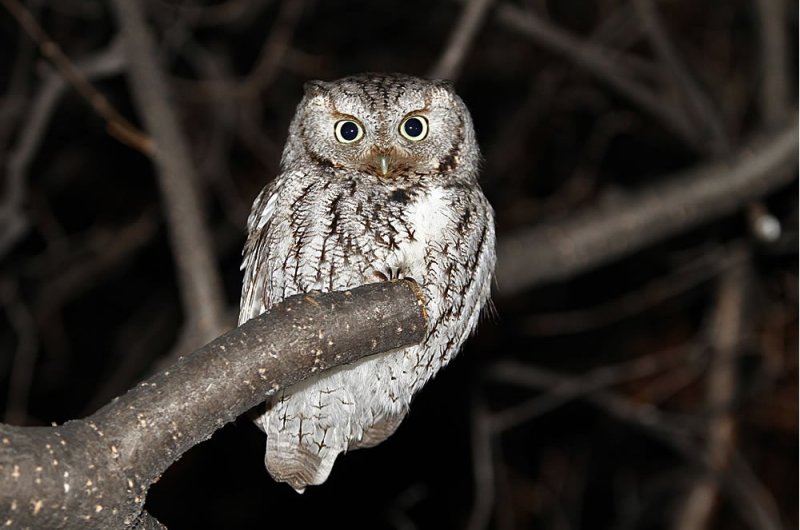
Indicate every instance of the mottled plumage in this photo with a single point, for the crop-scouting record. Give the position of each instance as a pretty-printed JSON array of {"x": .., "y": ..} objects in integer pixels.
[{"x": 378, "y": 181}]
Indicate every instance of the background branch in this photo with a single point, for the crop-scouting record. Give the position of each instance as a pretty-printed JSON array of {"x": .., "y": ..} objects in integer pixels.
[
  {"x": 592, "y": 238},
  {"x": 450, "y": 62},
  {"x": 117, "y": 124},
  {"x": 602, "y": 62},
  {"x": 773, "y": 95},
  {"x": 728, "y": 327},
  {"x": 13, "y": 221},
  {"x": 198, "y": 276}
]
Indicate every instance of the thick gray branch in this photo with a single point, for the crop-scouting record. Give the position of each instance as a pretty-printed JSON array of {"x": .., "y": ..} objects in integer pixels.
[
  {"x": 560, "y": 250},
  {"x": 95, "y": 472}
]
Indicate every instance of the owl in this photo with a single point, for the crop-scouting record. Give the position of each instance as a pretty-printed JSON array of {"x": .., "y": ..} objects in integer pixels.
[{"x": 378, "y": 181}]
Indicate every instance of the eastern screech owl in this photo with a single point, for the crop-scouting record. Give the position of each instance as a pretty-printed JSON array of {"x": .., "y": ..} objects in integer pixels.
[{"x": 379, "y": 180}]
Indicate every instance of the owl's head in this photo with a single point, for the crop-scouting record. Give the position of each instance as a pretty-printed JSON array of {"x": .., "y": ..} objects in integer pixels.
[{"x": 389, "y": 126}]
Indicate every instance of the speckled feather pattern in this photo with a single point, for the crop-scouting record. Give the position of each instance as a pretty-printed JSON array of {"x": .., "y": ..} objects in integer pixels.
[{"x": 330, "y": 221}]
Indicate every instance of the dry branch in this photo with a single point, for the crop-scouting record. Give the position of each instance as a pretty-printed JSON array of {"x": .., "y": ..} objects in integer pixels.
[
  {"x": 95, "y": 472},
  {"x": 774, "y": 87},
  {"x": 729, "y": 324},
  {"x": 117, "y": 124},
  {"x": 13, "y": 220},
  {"x": 449, "y": 64},
  {"x": 605, "y": 63},
  {"x": 560, "y": 250},
  {"x": 200, "y": 283},
  {"x": 698, "y": 109}
]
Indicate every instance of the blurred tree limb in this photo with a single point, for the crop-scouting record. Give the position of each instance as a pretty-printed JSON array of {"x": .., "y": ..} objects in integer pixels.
[
  {"x": 556, "y": 251},
  {"x": 199, "y": 279},
  {"x": 198, "y": 275},
  {"x": 118, "y": 125},
  {"x": 95, "y": 472}
]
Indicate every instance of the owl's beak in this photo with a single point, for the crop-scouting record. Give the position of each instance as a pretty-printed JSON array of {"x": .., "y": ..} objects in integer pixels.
[{"x": 383, "y": 164}]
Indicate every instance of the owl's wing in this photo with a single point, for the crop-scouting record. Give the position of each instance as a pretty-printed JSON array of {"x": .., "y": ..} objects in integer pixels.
[{"x": 254, "y": 286}]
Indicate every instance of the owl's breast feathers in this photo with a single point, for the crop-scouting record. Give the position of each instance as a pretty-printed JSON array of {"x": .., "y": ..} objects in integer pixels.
[{"x": 321, "y": 234}]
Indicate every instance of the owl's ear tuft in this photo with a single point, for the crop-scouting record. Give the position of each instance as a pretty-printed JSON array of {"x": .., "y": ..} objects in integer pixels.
[{"x": 315, "y": 88}]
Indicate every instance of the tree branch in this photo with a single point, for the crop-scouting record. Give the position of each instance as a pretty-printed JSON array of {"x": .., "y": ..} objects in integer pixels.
[
  {"x": 117, "y": 124},
  {"x": 449, "y": 64},
  {"x": 729, "y": 325},
  {"x": 95, "y": 472},
  {"x": 200, "y": 283},
  {"x": 603, "y": 62},
  {"x": 773, "y": 89},
  {"x": 698, "y": 108},
  {"x": 597, "y": 236},
  {"x": 13, "y": 221}
]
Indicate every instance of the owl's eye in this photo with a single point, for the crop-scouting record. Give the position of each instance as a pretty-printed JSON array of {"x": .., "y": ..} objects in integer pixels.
[
  {"x": 348, "y": 131},
  {"x": 414, "y": 128}
]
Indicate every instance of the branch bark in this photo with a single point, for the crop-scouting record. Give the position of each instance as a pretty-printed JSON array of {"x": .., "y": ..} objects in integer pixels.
[
  {"x": 601, "y": 235},
  {"x": 95, "y": 472}
]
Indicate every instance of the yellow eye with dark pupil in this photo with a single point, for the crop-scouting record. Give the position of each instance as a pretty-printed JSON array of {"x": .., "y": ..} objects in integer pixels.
[
  {"x": 348, "y": 131},
  {"x": 414, "y": 128}
]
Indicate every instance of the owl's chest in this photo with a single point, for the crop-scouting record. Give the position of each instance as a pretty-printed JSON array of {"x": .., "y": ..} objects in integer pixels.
[
  {"x": 404, "y": 221},
  {"x": 344, "y": 240}
]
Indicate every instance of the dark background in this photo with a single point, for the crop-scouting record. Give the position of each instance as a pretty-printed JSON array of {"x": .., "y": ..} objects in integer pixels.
[{"x": 90, "y": 302}]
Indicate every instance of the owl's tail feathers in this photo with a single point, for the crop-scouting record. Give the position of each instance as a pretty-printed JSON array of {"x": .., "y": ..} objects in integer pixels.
[
  {"x": 295, "y": 463},
  {"x": 382, "y": 427}
]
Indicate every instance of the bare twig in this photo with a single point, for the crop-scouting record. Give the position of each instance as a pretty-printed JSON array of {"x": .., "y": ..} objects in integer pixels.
[
  {"x": 604, "y": 63},
  {"x": 12, "y": 220},
  {"x": 756, "y": 505},
  {"x": 274, "y": 48},
  {"x": 674, "y": 431},
  {"x": 270, "y": 59},
  {"x": 198, "y": 276},
  {"x": 685, "y": 278},
  {"x": 103, "y": 252},
  {"x": 728, "y": 326},
  {"x": 14, "y": 102},
  {"x": 95, "y": 472},
  {"x": 118, "y": 126},
  {"x": 562, "y": 389},
  {"x": 482, "y": 465},
  {"x": 598, "y": 236},
  {"x": 700, "y": 110},
  {"x": 221, "y": 13},
  {"x": 774, "y": 87},
  {"x": 449, "y": 64},
  {"x": 21, "y": 374}
]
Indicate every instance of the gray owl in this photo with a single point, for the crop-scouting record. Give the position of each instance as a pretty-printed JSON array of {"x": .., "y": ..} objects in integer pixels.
[{"x": 379, "y": 180}]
